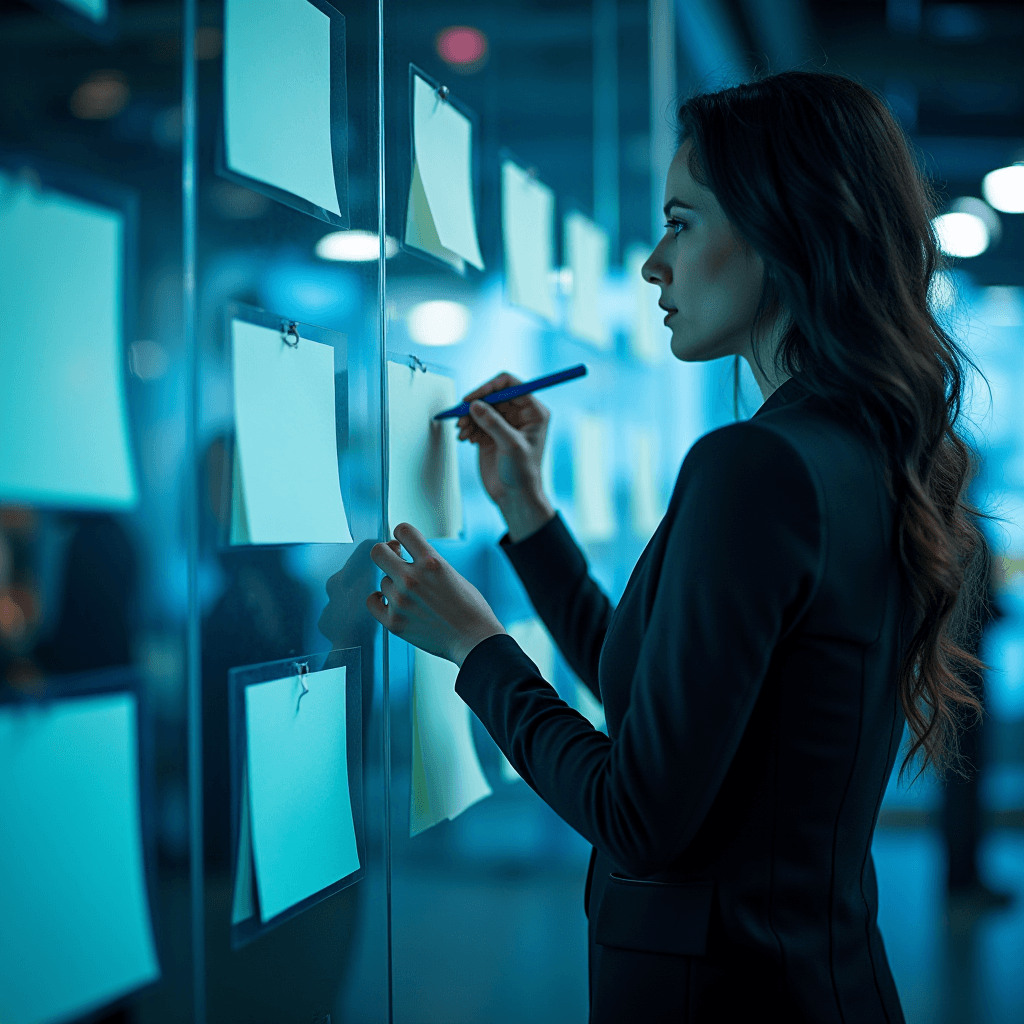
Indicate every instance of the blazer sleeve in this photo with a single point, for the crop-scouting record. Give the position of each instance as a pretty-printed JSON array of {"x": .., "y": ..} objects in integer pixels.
[
  {"x": 742, "y": 561},
  {"x": 572, "y": 606}
]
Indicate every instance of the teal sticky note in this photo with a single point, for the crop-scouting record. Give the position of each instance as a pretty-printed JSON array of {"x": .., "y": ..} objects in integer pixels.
[
  {"x": 277, "y": 96},
  {"x": 441, "y": 217},
  {"x": 286, "y": 487},
  {"x": 75, "y": 929},
  {"x": 63, "y": 419},
  {"x": 300, "y": 812}
]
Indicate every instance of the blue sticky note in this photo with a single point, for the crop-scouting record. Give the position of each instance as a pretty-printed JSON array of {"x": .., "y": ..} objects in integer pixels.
[
  {"x": 300, "y": 812},
  {"x": 277, "y": 96},
  {"x": 63, "y": 418},
  {"x": 75, "y": 929}
]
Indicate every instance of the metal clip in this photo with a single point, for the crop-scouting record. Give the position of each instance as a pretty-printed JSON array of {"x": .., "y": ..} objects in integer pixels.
[
  {"x": 302, "y": 670},
  {"x": 442, "y": 91},
  {"x": 417, "y": 363},
  {"x": 291, "y": 329}
]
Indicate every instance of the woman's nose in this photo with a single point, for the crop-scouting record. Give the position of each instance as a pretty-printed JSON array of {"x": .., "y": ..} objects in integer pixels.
[{"x": 656, "y": 270}]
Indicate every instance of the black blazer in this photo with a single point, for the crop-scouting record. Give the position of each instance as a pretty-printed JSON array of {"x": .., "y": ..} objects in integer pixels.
[{"x": 748, "y": 677}]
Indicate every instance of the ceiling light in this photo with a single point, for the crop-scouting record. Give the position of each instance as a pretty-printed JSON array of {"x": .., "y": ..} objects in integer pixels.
[
  {"x": 354, "y": 246},
  {"x": 981, "y": 210},
  {"x": 961, "y": 234},
  {"x": 1004, "y": 188},
  {"x": 438, "y": 322}
]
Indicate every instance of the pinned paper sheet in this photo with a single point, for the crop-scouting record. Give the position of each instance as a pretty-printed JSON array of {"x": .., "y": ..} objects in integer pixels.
[
  {"x": 538, "y": 646},
  {"x": 646, "y": 507},
  {"x": 63, "y": 420},
  {"x": 527, "y": 225},
  {"x": 592, "y": 479},
  {"x": 76, "y": 930},
  {"x": 296, "y": 800},
  {"x": 94, "y": 9},
  {"x": 586, "y": 255},
  {"x": 277, "y": 97},
  {"x": 441, "y": 218},
  {"x": 423, "y": 468},
  {"x": 285, "y": 486},
  {"x": 649, "y": 339},
  {"x": 446, "y": 773}
]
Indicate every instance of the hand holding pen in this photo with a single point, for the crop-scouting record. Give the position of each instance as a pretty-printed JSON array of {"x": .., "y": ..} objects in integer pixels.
[{"x": 510, "y": 438}]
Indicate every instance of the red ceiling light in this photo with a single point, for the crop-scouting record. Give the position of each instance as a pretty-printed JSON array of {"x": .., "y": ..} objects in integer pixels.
[{"x": 462, "y": 47}]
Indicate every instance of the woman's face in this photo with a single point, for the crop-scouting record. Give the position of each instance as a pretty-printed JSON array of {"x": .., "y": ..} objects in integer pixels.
[{"x": 710, "y": 281}]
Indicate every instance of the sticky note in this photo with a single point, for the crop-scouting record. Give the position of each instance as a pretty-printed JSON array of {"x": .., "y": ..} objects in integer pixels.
[
  {"x": 646, "y": 506},
  {"x": 63, "y": 419},
  {"x": 527, "y": 225},
  {"x": 423, "y": 469},
  {"x": 286, "y": 488},
  {"x": 586, "y": 255},
  {"x": 538, "y": 646},
  {"x": 446, "y": 773},
  {"x": 94, "y": 9},
  {"x": 649, "y": 339},
  {"x": 592, "y": 481},
  {"x": 76, "y": 931},
  {"x": 300, "y": 812},
  {"x": 277, "y": 97},
  {"x": 441, "y": 217}
]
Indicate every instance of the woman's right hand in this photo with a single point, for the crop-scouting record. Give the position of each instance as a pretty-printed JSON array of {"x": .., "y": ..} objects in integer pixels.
[{"x": 510, "y": 444}]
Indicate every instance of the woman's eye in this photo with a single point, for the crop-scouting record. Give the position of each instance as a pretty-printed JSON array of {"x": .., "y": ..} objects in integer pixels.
[{"x": 675, "y": 226}]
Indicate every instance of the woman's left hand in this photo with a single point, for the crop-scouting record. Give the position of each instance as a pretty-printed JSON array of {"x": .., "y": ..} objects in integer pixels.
[{"x": 427, "y": 602}]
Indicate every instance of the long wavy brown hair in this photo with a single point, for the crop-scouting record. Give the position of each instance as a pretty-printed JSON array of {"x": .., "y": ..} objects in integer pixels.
[{"x": 817, "y": 177}]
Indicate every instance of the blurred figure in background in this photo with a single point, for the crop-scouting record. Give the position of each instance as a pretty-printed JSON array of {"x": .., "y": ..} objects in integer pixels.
[{"x": 962, "y": 813}]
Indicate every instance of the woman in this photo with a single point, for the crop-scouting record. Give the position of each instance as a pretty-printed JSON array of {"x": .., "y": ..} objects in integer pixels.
[{"x": 793, "y": 607}]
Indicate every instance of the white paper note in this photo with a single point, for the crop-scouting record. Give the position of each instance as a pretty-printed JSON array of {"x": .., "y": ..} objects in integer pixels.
[
  {"x": 441, "y": 218},
  {"x": 300, "y": 811},
  {"x": 592, "y": 481},
  {"x": 286, "y": 484},
  {"x": 586, "y": 255},
  {"x": 423, "y": 468},
  {"x": 649, "y": 340},
  {"x": 446, "y": 773},
  {"x": 527, "y": 224},
  {"x": 94, "y": 9},
  {"x": 537, "y": 645},
  {"x": 76, "y": 931},
  {"x": 646, "y": 506},
  {"x": 277, "y": 97},
  {"x": 63, "y": 420}
]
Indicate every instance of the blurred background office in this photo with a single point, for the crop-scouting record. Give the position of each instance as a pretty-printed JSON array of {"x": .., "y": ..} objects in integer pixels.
[{"x": 123, "y": 108}]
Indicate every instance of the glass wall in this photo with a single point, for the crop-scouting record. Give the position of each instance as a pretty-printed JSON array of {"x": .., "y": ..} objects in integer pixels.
[{"x": 247, "y": 249}]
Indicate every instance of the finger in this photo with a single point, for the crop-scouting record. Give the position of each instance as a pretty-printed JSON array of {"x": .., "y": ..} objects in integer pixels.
[
  {"x": 498, "y": 383},
  {"x": 385, "y": 557},
  {"x": 377, "y": 608},
  {"x": 388, "y": 588},
  {"x": 413, "y": 541},
  {"x": 495, "y": 426}
]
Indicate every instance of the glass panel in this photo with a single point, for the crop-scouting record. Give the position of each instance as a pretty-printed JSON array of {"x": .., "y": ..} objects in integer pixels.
[
  {"x": 288, "y": 343},
  {"x": 487, "y": 882},
  {"x": 93, "y": 497}
]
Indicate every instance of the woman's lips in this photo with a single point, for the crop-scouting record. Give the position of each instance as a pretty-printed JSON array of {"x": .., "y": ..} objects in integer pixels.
[{"x": 671, "y": 313}]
